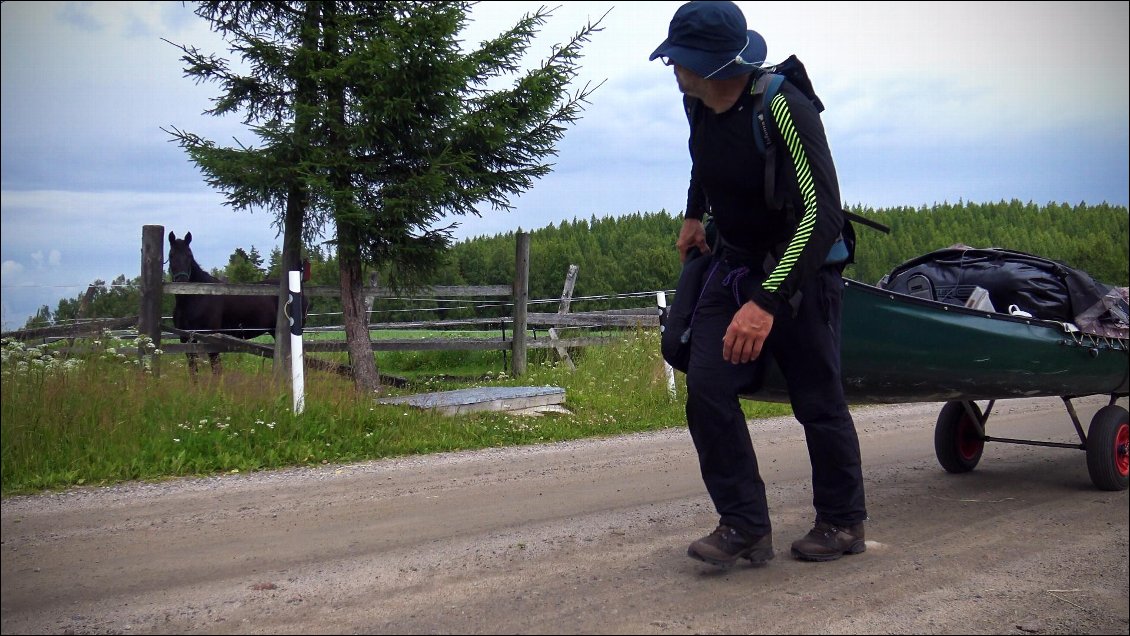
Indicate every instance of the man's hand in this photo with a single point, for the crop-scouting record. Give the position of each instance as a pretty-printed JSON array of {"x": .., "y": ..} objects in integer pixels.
[
  {"x": 746, "y": 334},
  {"x": 692, "y": 234}
]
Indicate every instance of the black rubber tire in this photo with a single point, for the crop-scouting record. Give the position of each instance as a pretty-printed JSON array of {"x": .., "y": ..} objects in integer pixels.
[
  {"x": 957, "y": 443},
  {"x": 1108, "y": 455}
]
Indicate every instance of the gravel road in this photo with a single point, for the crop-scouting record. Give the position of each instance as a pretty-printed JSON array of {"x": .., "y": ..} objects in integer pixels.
[{"x": 584, "y": 537}]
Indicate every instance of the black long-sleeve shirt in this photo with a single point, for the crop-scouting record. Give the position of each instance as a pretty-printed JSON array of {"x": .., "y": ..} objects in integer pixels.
[{"x": 727, "y": 179}]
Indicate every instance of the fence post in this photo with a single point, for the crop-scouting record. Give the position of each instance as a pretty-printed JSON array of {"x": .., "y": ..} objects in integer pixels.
[
  {"x": 295, "y": 316},
  {"x": 562, "y": 309},
  {"x": 661, "y": 300},
  {"x": 521, "y": 297},
  {"x": 152, "y": 281}
]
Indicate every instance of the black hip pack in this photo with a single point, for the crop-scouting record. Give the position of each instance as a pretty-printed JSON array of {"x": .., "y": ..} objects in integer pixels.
[{"x": 677, "y": 322}]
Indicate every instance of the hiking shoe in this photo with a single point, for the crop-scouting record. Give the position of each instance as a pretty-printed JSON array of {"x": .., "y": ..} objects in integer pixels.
[
  {"x": 726, "y": 545},
  {"x": 827, "y": 542}
]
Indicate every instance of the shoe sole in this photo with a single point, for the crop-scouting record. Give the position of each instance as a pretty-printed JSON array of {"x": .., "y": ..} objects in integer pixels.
[
  {"x": 757, "y": 556},
  {"x": 856, "y": 548}
]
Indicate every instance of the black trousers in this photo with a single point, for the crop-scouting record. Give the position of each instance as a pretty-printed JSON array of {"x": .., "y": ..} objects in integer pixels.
[{"x": 806, "y": 347}]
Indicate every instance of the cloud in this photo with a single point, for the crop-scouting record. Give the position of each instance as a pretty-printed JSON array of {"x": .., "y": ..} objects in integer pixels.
[
  {"x": 927, "y": 102},
  {"x": 11, "y": 270},
  {"x": 88, "y": 113},
  {"x": 56, "y": 243},
  {"x": 53, "y": 258}
]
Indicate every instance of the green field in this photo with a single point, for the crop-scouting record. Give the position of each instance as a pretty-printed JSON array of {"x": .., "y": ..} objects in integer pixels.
[{"x": 105, "y": 416}]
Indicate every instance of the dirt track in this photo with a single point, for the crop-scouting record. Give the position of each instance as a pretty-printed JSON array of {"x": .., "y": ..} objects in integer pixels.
[{"x": 584, "y": 537}]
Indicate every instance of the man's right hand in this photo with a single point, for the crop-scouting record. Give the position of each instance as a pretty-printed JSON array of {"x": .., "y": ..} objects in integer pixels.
[{"x": 693, "y": 234}]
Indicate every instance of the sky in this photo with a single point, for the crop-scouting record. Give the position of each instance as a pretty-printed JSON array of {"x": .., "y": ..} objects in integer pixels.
[{"x": 927, "y": 103}]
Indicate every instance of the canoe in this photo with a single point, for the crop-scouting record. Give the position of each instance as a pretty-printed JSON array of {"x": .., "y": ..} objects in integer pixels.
[
  {"x": 902, "y": 348},
  {"x": 898, "y": 348}
]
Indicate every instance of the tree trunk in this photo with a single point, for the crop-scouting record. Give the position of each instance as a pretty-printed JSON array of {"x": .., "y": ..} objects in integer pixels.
[
  {"x": 357, "y": 343},
  {"x": 296, "y": 200},
  {"x": 365, "y": 376}
]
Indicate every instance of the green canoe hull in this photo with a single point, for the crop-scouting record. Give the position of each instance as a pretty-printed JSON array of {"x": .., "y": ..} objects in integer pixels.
[{"x": 898, "y": 348}]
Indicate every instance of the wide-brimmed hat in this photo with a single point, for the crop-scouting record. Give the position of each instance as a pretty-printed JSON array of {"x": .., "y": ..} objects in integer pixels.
[{"x": 711, "y": 39}]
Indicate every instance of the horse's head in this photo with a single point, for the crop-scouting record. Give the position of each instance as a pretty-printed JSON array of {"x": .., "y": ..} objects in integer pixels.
[{"x": 180, "y": 257}]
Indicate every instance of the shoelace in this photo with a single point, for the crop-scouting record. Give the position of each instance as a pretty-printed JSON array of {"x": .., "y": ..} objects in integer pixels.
[{"x": 831, "y": 530}]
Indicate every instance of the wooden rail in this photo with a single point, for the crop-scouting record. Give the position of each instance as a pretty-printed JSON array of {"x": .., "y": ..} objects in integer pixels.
[
  {"x": 153, "y": 287},
  {"x": 272, "y": 289}
]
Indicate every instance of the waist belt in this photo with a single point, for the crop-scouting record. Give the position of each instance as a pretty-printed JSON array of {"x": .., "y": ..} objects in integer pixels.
[
  {"x": 764, "y": 258},
  {"x": 735, "y": 255}
]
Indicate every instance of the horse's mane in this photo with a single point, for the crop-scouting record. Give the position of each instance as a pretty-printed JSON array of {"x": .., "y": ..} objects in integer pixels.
[{"x": 200, "y": 275}]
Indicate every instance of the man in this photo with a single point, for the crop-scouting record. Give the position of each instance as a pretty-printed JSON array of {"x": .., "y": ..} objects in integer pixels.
[{"x": 771, "y": 288}]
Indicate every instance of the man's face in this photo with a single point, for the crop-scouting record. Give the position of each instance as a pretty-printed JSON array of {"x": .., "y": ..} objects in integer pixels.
[{"x": 689, "y": 83}]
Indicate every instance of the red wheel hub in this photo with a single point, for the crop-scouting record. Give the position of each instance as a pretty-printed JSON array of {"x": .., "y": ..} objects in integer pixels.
[
  {"x": 1122, "y": 450},
  {"x": 969, "y": 442}
]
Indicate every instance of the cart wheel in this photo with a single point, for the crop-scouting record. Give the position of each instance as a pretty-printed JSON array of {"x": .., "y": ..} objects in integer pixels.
[
  {"x": 1108, "y": 448},
  {"x": 957, "y": 443}
]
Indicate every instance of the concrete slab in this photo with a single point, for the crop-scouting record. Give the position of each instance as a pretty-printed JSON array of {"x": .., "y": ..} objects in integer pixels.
[{"x": 499, "y": 398}]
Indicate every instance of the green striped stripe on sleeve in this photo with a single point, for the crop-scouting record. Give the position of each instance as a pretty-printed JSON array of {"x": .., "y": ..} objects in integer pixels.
[{"x": 780, "y": 109}]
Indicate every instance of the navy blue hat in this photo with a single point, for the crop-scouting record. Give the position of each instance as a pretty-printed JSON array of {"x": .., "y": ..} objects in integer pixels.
[{"x": 711, "y": 39}]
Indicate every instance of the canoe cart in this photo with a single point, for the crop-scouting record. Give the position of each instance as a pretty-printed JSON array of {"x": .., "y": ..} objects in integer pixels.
[{"x": 899, "y": 348}]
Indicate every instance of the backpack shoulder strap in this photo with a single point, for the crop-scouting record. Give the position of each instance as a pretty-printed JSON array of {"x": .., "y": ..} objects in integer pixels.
[{"x": 764, "y": 89}]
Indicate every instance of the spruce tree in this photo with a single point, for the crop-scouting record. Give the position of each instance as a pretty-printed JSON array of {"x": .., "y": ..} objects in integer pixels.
[{"x": 378, "y": 129}]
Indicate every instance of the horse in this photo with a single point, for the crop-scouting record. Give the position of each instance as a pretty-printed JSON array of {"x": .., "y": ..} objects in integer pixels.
[{"x": 243, "y": 317}]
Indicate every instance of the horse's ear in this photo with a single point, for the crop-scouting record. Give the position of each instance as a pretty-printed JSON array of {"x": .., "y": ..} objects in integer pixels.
[
  {"x": 172, "y": 237},
  {"x": 187, "y": 238}
]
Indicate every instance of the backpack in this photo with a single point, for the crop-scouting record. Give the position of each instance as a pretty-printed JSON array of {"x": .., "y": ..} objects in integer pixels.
[
  {"x": 766, "y": 86},
  {"x": 677, "y": 321}
]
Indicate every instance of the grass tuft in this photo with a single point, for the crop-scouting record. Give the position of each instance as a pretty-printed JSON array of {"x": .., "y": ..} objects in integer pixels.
[{"x": 106, "y": 416}]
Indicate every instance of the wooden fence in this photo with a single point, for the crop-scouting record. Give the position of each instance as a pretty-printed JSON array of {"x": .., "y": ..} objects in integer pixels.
[{"x": 153, "y": 287}]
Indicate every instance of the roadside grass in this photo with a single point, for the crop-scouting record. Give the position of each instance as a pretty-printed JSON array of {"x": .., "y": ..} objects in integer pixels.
[{"x": 103, "y": 417}]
